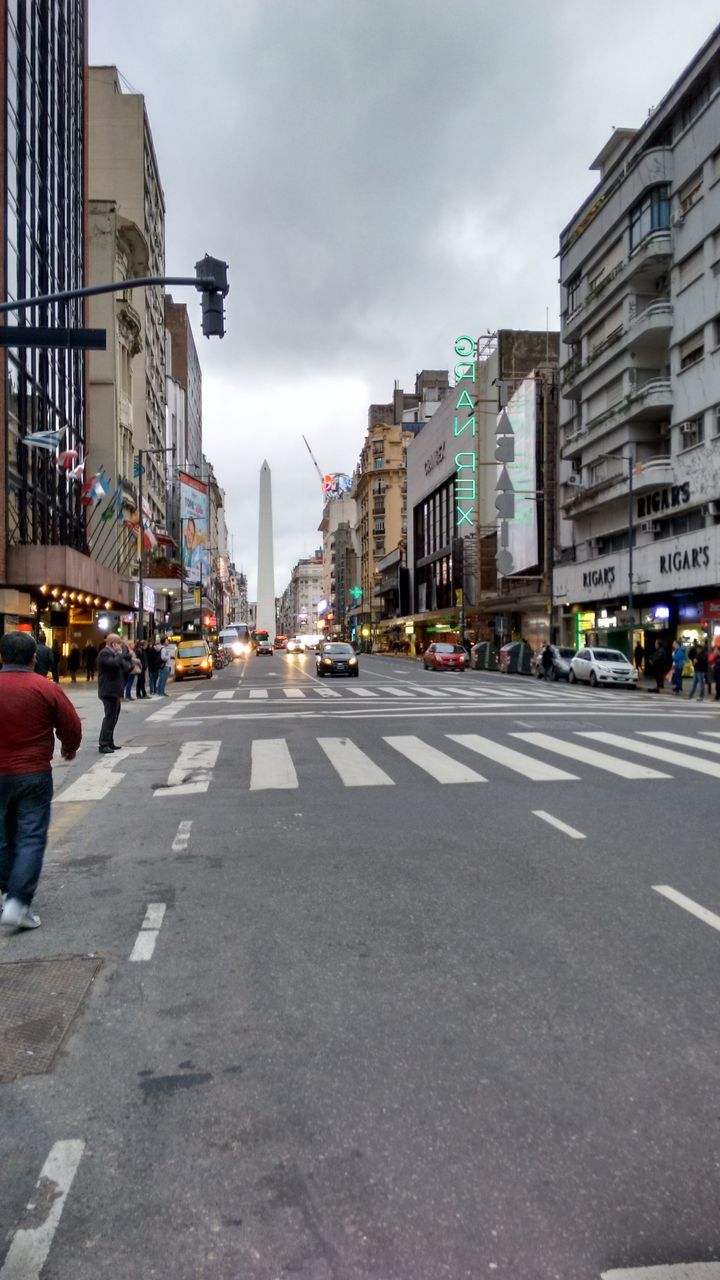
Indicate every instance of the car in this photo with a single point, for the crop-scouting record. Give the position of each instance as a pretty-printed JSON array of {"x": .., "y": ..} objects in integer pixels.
[
  {"x": 193, "y": 658},
  {"x": 445, "y": 657},
  {"x": 603, "y": 666},
  {"x": 296, "y": 645},
  {"x": 264, "y": 647},
  {"x": 562, "y": 657},
  {"x": 336, "y": 659}
]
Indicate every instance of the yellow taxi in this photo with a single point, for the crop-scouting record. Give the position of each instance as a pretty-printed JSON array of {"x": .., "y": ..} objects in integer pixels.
[{"x": 193, "y": 659}]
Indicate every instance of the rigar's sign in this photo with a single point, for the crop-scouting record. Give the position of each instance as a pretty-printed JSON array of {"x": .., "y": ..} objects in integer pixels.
[{"x": 465, "y": 459}]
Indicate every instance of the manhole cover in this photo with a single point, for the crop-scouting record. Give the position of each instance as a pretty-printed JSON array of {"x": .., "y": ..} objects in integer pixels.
[{"x": 38, "y": 1001}]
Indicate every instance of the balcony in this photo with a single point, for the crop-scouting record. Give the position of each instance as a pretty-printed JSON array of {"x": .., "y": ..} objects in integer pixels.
[
  {"x": 577, "y": 371},
  {"x": 652, "y": 400},
  {"x": 653, "y": 252},
  {"x": 650, "y": 327},
  {"x": 574, "y": 323},
  {"x": 653, "y": 473}
]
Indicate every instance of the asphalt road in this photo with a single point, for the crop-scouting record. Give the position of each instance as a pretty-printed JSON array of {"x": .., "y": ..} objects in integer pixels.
[{"x": 404, "y": 977}]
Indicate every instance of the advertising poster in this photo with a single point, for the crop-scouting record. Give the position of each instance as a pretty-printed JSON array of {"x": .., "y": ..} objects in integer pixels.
[
  {"x": 523, "y": 530},
  {"x": 194, "y": 530}
]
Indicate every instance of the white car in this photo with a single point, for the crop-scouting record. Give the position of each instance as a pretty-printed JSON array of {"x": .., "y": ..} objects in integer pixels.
[
  {"x": 296, "y": 645},
  {"x": 602, "y": 666}
]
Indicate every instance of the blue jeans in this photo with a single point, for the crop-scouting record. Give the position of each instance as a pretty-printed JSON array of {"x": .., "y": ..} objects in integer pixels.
[
  {"x": 162, "y": 679},
  {"x": 24, "y": 820},
  {"x": 129, "y": 686},
  {"x": 698, "y": 682},
  {"x": 153, "y": 676}
]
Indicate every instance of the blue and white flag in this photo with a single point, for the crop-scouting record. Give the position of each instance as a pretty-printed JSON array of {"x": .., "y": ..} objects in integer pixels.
[
  {"x": 138, "y": 470},
  {"x": 44, "y": 439}
]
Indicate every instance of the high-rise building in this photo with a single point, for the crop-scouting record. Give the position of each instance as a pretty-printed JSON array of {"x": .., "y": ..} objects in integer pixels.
[
  {"x": 123, "y": 169},
  {"x": 639, "y": 552}
]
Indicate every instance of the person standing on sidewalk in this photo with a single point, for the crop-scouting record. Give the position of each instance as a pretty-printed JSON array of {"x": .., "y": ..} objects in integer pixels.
[
  {"x": 700, "y": 666},
  {"x": 141, "y": 655},
  {"x": 32, "y": 712},
  {"x": 90, "y": 659},
  {"x": 74, "y": 663},
  {"x": 153, "y": 665},
  {"x": 548, "y": 662},
  {"x": 135, "y": 669},
  {"x": 43, "y": 657},
  {"x": 113, "y": 669},
  {"x": 638, "y": 655},
  {"x": 164, "y": 671},
  {"x": 679, "y": 658},
  {"x": 57, "y": 659},
  {"x": 659, "y": 666}
]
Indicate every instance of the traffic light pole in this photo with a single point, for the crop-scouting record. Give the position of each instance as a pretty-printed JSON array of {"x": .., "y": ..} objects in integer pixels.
[{"x": 22, "y": 304}]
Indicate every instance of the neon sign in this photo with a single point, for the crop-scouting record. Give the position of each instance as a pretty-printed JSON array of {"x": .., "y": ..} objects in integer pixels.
[{"x": 465, "y": 459}]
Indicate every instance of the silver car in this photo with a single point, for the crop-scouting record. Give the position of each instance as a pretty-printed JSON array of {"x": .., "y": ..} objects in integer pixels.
[{"x": 602, "y": 666}]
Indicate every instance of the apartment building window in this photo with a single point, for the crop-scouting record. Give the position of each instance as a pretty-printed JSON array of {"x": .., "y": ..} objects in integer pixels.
[
  {"x": 380, "y": 547},
  {"x": 691, "y": 268},
  {"x": 651, "y": 213},
  {"x": 694, "y": 102},
  {"x": 573, "y": 294},
  {"x": 692, "y": 432},
  {"x": 690, "y": 193},
  {"x": 379, "y": 526},
  {"x": 716, "y": 331},
  {"x": 692, "y": 349},
  {"x": 379, "y": 464},
  {"x": 716, "y": 420}
]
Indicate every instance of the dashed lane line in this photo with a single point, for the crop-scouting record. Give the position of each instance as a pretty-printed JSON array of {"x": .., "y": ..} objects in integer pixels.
[
  {"x": 182, "y": 838},
  {"x": 567, "y": 830},
  {"x": 30, "y": 1244},
  {"x": 707, "y": 917},
  {"x": 674, "y": 1271},
  {"x": 149, "y": 929}
]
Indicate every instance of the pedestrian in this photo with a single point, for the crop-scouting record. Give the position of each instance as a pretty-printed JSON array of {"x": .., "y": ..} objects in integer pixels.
[
  {"x": 153, "y": 666},
  {"x": 679, "y": 658},
  {"x": 659, "y": 666},
  {"x": 164, "y": 671},
  {"x": 134, "y": 670},
  {"x": 32, "y": 714},
  {"x": 73, "y": 665},
  {"x": 639, "y": 654},
  {"x": 43, "y": 657},
  {"x": 113, "y": 669},
  {"x": 716, "y": 671},
  {"x": 548, "y": 662},
  {"x": 90, "y": 654},
  {"x": 141, "y": 655},
  {"x": 57, "y": 659},
  {"x": 700, "y": 666}
]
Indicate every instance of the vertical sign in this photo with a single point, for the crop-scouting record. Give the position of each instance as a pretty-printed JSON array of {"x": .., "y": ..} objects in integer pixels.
[
  {"x": 523, "y": 526},
  {"x": 466, "y": 495},
  {"x": 194, "y": 528}
]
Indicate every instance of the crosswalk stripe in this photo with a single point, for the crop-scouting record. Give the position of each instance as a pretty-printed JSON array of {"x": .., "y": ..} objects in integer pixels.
[
  {"x": 258, "y": 693},
  {"x": 430, "y": 693},
  {"x": 708, "y": 767},
  {"x": 192, "y": 771},
  {"x": 397, "y": 693},
  {"x": 440, "y": 767},
  {"x": 535, "y": 770},
  {"x": 354, "y": 768},
  {"x": 574, "y": 751},
  {"x": 272, "y": 768},
  {"x": 293, "y": 693},
  {"x": 224, "y": 696},
  {"x": 681, "y": 739},
  {"x": 99, "y": 779},
  {"x": 359, "y": 692},
  {"x": 328, "y": 693},
  {"x": 189, "y": 697}
]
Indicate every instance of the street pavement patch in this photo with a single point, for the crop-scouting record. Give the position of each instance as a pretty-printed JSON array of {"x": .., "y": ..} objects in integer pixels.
[{"x": 38, "y": 1001}]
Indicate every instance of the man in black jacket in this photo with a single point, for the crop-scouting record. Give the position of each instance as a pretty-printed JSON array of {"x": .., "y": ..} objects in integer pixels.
[
  {"x": 113, "y": 670},
  {"x": 43, "y": 656}
]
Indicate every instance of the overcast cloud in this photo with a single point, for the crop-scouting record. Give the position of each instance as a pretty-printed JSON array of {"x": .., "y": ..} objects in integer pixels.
[{"x": 381, "y": 175}]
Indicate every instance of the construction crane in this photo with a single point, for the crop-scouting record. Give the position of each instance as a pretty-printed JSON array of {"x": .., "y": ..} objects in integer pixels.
[
  {"x": 312, "y": 455},
  {"x": 333, "y": 484}
]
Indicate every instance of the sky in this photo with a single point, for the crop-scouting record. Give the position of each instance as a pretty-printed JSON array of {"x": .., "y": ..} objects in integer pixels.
[{"x": 381, "y": 176}]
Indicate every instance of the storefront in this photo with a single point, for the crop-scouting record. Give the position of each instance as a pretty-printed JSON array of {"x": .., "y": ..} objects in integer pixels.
[{"x": 675, "y": 595}]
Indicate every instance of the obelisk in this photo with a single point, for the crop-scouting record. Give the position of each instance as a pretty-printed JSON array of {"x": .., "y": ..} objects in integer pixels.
[{"x": 266, "y": 564}]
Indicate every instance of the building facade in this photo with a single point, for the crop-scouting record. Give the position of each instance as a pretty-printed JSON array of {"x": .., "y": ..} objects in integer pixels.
[
  {"x": 639, "y": 551},
  {"x": 300, "y": 599},
  {"x": 339, "y": 513}
]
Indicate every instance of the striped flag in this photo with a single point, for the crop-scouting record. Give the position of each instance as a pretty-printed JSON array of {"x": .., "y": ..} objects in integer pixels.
[
  {"x": 44, "y": 439},
  {"x": 95, "y": 489},
  {"x": 114, "y": 506}
]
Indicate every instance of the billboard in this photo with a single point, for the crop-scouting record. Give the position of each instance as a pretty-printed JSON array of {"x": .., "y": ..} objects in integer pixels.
[
  {"x": 523, "y": 529},
  {"x": 194, "y": 530}
]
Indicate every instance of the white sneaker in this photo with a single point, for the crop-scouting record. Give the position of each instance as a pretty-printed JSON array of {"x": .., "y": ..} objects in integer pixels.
[{"x": 17, "y": 915}]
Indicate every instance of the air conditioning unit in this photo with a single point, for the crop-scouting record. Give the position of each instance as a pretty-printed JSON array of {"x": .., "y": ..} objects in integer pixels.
[
  {"x": 678, "y": 218},
  {"x": 595, "y": 544},
  {"x": 649, "y": 526},
  {"x": 575, "y": 479},
  {"x": 687, "y": 428},
  {"x": 712, "y": 509}
]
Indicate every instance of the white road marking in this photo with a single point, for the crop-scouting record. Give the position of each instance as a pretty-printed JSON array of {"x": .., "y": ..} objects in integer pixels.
[
  {"x": 328, "y": 693},
  {"x": 293, "y": 693},
  {"x": 561, "y": 826},
  {"x": 259, "y": 693},
  {"x": 441, "y": 767},
  {"x": 188, "y": 697},
  {"x": 354, "y": 768},
  {"x": 430, "y": 693},
  {"x": 682, "y": 740},
  {"x": 359, "y": 692},
  {"x": 149, "y": 930},
  {"x": 30, "y": 1245},
  {"x": 534, "y": 770},
  {"x": 99, "y": 779},
  {"x": 272, "y": 767},
  {"x": 224, "y": 696},
  {"x": 180, "y": 843},
  {"x": 673, "y": 1271},
  {"x": 708, "y": 917},
  {"x": 708, "y": 767},
  {"x": 397, "y": 693},
  {"x": 192, "y": 771},
  {"x": 167, "y": 712},
  {"x": 574, "y": 751}
]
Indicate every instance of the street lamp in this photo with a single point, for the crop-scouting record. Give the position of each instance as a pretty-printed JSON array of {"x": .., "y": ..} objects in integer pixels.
[{"x": 630, "y": 460}]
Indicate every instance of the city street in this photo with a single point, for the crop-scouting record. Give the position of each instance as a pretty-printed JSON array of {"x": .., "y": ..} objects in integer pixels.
[{"x": 393, "y": 978}]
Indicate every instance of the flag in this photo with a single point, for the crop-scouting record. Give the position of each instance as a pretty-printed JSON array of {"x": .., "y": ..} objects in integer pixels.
[
  {"x": 44, "y": 439},
  {"x": 95, "y": 489},
  {"x": 66, "y": 460},
  {"x": 138, "y": 470},
  {"x": 149, "y": 538},
  {"x": 114, "y": 506}
]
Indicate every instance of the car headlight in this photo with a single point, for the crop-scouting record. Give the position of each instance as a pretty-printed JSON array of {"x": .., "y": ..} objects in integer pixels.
[
  {"x": 205, "y": 663},
  {"x": 327, "y": 661},
  {"x": 237, "y": 650},
  {"x": 352, "y": 662},
  {"x": 179, "y": 665}
]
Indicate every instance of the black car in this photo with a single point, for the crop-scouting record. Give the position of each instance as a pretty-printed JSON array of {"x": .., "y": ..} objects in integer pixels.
[{"x": 336, "y": 660}]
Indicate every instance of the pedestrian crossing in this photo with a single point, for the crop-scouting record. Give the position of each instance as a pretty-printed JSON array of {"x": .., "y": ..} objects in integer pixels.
[
  {"x": 281, "y": 764},
  {"x": 454, "y": 692}
]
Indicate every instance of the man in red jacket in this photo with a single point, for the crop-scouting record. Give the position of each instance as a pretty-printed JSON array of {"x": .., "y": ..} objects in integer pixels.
[{"x": 32, "y": 708}]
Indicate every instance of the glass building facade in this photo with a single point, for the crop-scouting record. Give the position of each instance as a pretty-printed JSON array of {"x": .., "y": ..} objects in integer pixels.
[{"x": 44, "y": 220}]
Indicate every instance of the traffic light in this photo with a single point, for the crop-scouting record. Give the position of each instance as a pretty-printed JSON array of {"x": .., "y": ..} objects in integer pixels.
[{"x": 212, "y": 281}]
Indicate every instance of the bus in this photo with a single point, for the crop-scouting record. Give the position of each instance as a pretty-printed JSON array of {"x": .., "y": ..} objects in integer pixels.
[
  {"x": 236, "y": 637},
  {"x": 258, "y": 637}
]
